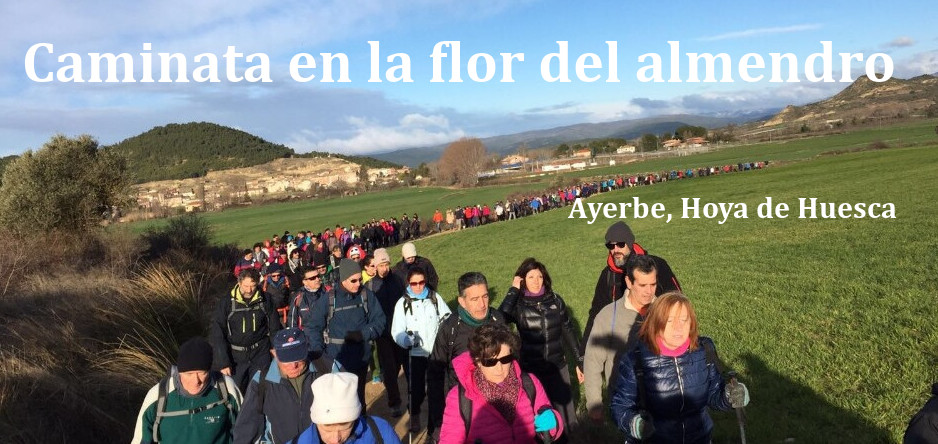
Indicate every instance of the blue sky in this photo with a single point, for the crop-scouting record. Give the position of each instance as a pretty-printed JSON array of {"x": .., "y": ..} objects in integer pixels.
[{"x": 360, "y": 117}]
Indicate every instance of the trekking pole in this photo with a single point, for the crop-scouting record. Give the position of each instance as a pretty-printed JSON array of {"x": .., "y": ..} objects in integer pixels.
[
  {"x": 740, "y": 415},
  {"x": 410, "y": 392}
]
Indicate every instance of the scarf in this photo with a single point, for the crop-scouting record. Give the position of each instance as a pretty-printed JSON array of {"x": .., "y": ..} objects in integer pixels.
[
  {"x": 467, "y": 318},
  {"x": 419, "y": 296},
  {"x": 534, "y": 295},
  {"x": 675, "y": 352},
  {"x": 503, "y": 396}
]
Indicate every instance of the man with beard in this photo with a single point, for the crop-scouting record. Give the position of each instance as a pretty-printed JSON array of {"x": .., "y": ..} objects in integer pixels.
[{"x": 610, "y": 287}]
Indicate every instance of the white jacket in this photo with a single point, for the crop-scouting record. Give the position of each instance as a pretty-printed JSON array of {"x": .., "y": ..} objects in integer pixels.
[{"x": 422, "y": 320}]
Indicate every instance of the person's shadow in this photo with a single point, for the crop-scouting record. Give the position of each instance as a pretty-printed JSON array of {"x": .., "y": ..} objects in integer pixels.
[{"x": 785, "y": 411}]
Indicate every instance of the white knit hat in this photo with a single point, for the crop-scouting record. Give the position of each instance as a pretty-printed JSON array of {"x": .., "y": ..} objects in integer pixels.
[{"x": 335, "y": 399}]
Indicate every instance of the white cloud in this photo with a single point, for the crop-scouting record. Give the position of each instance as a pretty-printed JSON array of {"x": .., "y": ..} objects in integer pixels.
[
  {"x": 761, "y": 31},
  {"x": 368, "y": 136},
  {"x": 900, "y": 42}
]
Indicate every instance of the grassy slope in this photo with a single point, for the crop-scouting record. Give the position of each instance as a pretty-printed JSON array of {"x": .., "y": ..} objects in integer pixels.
[{"x": 830, "y": 322}]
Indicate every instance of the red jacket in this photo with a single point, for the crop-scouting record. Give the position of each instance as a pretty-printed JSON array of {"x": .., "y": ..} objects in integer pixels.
[{"x": 487, "y": 423}]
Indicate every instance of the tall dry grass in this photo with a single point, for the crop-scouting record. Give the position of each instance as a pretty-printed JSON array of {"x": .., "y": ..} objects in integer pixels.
[{"x": 90, "y": 325}]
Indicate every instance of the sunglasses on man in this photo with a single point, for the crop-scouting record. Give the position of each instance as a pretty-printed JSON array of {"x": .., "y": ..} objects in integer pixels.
[
  {"x": 312, "y": 278},
  {"x": 612, "y": 245}
]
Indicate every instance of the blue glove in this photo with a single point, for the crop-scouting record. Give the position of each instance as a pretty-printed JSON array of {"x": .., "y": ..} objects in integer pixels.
[{"x": 545, "y": 421}]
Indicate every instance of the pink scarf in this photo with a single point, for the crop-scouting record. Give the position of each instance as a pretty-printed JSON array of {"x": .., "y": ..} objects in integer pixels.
[{"x": 672, "y": 353}]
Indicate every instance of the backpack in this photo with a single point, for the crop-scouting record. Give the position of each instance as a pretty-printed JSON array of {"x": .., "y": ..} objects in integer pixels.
[
  {"x": 465, "y": 404},
  {"x": 332, "y": 309},
  {"x": 161, "y": 404},
  {"x": 409, "y": 304},
  {"x": 263, "y": 382},
  {"x": 234, "y": 309}
]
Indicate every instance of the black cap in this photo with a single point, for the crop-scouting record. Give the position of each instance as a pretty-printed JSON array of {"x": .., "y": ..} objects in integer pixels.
[
  {"x": 620, "y": 232},
  {"x": 194, "y": 354}
]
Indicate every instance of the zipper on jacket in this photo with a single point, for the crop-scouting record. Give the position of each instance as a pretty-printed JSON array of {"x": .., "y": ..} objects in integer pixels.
[{"x": 680, "y": 383}]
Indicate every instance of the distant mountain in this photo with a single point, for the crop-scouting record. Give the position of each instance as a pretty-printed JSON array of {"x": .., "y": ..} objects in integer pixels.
[
  {"x": 182, "y": 151},
  {"x": 865, "y": 100},
  {"x": 626, "y": 129}
]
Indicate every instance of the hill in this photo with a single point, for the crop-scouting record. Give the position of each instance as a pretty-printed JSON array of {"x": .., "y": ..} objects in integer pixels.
[
  {"x": 188, "y": 150},
  {"x": 866, "y": 101},
  {"x": 626, "y": 129}
]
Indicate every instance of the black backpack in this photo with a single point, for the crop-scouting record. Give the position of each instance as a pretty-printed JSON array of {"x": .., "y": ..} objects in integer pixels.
[{"x": 161, "y": 404}]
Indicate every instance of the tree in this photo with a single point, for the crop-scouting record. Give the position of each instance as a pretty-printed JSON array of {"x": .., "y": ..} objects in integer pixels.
[
  {"x": 66, "y": 185},
  {"x": 462, "y": 162},
  {"x": 649, "y": 142}
]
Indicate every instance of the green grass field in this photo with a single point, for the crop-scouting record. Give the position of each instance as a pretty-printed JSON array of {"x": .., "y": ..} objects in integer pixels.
[{"x": 830, "y": 322}]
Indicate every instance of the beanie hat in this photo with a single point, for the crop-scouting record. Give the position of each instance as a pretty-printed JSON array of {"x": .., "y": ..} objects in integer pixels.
[
  {"x": 409, "y": 250},
  {"x": 353, "y": 250},
  {"x": 194, "y": 354},
  {"x": 620, "y": 232},
  {"x": 382, "y": 256},
  {"x": 274, "y": 268},
  {"x": 335, "y": 399},
  {"x": 347, "y": 268}
]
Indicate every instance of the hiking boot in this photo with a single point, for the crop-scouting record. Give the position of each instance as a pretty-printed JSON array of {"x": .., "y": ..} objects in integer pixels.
[
  {"x": 398, "y": 411},
  {"x": 415, "y": 422}
]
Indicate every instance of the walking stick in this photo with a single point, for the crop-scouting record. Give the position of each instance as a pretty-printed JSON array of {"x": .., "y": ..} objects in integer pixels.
[{"x": 740, "y": 415}]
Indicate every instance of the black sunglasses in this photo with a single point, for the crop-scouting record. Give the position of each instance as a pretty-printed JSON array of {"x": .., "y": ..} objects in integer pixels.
[
  {"x": 490, "y": 362},
  {"x": 612, "y": 245},
  {"x": 313, "y": 278}
]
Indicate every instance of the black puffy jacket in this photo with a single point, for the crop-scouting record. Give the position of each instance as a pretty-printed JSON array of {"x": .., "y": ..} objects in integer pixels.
[{"x": 544, "y": 324}]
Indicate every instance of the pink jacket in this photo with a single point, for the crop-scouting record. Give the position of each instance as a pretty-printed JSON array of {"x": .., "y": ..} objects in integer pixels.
[{"x": 488, "y": 425}]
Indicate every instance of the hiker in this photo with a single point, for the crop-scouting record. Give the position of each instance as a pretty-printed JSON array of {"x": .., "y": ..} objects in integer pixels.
[
  {"x": 665, "y": 385},
  {"x": 295, "y": 262},
  {"x": 452, "y": 339},
  {"x": 545, "y": 327},
  {"x": 616, "y": 331},
  {"x": 192, "y": 405},
  {"x": 438, "y": 220},
  {"x": 611, "y": 283},
  {"x": 388, "y": 288},
  {"x": 242, "y": 325},
  {"x": 246, "y": 262},
  {"x": 277, "y": 401},
  {"x": 276, "y": 287},
  {"x": 303, "y": 300},
  {"x": 337, "y": 416},
  {"x": 349, "y": 318},
  {"x": 409, "y": 259},
  {"x": 923, "y": 427},
  {"x": 493, "y": 402},
  {"x": 416, "y": 320},
  {"x": 369, "y": 268}
]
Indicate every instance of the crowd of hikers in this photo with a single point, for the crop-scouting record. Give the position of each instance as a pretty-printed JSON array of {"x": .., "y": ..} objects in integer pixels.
[{"x": 290, "y": 347}]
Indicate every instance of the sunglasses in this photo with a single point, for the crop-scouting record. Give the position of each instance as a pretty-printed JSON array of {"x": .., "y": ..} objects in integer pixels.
[
  {"x": 490, "y": 362},
  {"x": 312, "y": 278},
  {"x": 417, "y": 283},
  {"x": 612, "y": 245},
  {"x": 354, "y": 281}
]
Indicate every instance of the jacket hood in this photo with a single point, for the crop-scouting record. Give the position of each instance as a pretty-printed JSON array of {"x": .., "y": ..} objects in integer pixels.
[{"x": 463, "y": 367}]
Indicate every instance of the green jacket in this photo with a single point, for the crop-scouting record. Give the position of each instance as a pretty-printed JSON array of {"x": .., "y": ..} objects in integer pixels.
[{"x": 210, "y": 426}]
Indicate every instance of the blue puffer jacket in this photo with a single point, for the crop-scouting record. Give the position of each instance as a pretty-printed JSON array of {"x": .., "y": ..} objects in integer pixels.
[{"x": 678, "y": 391}]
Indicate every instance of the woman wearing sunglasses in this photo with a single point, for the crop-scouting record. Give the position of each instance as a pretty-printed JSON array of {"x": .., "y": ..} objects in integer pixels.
[
  {"x": 417, "y": 317},
  {"x": 495, "y": 402},
  {"x": 545, "y": 327}
]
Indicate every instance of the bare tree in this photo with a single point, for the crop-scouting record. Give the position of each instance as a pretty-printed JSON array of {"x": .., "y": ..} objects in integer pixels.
[{"x": 462, "y": 162}]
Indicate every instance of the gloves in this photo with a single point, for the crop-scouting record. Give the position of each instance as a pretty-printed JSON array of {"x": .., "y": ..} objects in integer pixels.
[
  {"x": 642, "y": 426},
  {"x": 545, "y": 421},
  {"x": 354, "y": 337},
  {"x": 737, "y": 394}
]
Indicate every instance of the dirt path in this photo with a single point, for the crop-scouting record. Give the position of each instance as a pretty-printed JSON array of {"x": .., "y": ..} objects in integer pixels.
[{"x": 377, "y": 400}]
